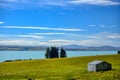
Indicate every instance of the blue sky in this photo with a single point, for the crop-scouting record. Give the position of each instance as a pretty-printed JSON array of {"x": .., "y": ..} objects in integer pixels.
[{"x": 60, "y": 22}]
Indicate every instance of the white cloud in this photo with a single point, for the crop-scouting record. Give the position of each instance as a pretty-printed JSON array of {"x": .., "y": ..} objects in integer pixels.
[
  {"x": 92, "y": 37},
  {"x": 88, "y": 42},
  {"x": 95, "y": 2},
  {"x": 100, "y": 39},
  {"x": 21, "y": 36},
  {"x": 59, "y": 42},
  {"x": 21, "y": 42},
  {"x": 106, "y": 26},
  {"x": 61, "y": 3},
  {"x": 9, "y": 1},
  {"x": 29, "y": 36},
  {"x": 14, "y": 1},
  {"x": 101, "y": 26},
  {"x": 114, "y": 36},
  {"x": 97, "y": 43},
  {"x": 15, "y": 4},
  {"x": 105, "y": 36},
  {"x": 53, "y": 3},
  {"x": 47, "y": 33},
  {"x": 2, "y": 22},
  {"x": 92, "y": 25},
  {"x": 43, "y": 28},
  {"x": 3, "y": 35}
]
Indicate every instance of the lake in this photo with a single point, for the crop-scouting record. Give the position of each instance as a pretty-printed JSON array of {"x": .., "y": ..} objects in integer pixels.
[{"x": 13, "y": 55}]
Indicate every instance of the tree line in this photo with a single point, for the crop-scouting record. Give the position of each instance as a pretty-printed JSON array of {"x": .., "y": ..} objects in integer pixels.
[{"x": 53, "y": 52}]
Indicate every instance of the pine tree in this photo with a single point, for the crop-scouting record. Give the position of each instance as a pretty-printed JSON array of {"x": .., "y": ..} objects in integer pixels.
[
  {"x": 47, "y": 54},
  {"x": 63, "y": 53},
  {"x": 118, "y": 52},
  {"x": 52, "y": 52}
]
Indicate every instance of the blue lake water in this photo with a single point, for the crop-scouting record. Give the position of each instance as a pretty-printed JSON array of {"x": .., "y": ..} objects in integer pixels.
[{"x": 13, "y": 55}]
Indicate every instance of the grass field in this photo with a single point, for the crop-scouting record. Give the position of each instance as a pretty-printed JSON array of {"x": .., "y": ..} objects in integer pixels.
[{"x": 59, "y": 69}]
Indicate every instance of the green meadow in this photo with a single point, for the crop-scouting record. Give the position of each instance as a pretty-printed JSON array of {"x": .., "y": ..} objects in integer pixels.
[{"x": 74, "y": 68}]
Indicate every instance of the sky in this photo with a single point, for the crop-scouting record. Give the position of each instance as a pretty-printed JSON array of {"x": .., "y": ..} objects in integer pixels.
[{"x": 60, "y": 22}]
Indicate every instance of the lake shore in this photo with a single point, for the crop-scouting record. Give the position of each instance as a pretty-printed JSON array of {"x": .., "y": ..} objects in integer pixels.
[{"x": 15, "y": 55}]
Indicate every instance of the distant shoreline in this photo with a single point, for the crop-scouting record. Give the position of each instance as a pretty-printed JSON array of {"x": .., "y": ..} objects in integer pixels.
[{"x": 67, "y": 47}]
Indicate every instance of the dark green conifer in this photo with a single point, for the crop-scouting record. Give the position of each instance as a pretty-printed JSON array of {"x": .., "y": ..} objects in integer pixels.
[
  {"x": 53, "y": 52},
  {"x": 63, "y": 53},
  {"x": 118, "y": 52},
  {"x": 47, "y": 54}
]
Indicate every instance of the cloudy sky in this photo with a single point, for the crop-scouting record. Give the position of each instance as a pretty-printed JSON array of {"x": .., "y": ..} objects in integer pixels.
[{"x": 60, "y": 22}]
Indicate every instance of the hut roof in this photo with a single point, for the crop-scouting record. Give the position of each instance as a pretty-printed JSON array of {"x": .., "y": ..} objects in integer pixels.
[{"x": 96, "y": 62}]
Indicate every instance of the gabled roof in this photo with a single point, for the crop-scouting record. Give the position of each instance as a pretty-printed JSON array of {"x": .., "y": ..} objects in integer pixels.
[{"x": 96, "y": 62}]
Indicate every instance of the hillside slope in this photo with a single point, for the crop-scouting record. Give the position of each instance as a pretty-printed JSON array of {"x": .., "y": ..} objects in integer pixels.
[{"x": 59, "y": 69}]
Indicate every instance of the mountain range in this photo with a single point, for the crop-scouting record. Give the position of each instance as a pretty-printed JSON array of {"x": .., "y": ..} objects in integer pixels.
[{"x": 67, "y": 47}]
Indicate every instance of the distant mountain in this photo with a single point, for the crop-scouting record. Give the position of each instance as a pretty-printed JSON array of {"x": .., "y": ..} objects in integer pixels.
[
  {"x": 101, "y": 48},
  {"x": 76, "y": 47},
  {"x": 22, "y": 48},
  {"x": 67, "y": 47},
  {"x": 105, "y": 48}
]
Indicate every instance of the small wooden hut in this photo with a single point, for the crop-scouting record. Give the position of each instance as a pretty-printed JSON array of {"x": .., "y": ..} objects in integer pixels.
[{"x": 98, "y": 65}]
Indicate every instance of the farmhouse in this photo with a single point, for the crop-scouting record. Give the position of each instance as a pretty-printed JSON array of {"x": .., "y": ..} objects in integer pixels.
[{"x": 98, "y": 65}]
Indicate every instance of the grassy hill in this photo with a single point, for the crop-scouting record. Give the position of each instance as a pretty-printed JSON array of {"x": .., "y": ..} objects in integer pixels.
[{"x": 59, "y": 69}]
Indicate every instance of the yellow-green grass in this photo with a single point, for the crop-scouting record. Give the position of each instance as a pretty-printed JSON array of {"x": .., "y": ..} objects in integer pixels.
[{"x": 59, "y": 69}]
